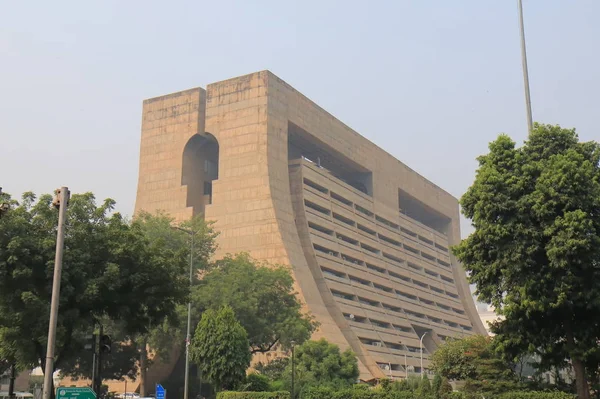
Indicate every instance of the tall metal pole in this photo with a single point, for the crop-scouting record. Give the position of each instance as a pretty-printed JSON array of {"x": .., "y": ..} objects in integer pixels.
[
  {"x": 189, "y": 322},
  {"x": 421, "y": 346},
  {"x": 293, "y": 371},
  {"x": 525, "y": 69},
  {"x": 62, "y": 203}
]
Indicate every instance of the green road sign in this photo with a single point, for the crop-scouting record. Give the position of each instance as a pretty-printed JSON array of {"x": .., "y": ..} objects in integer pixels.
[{"x": 75, "y": 393}]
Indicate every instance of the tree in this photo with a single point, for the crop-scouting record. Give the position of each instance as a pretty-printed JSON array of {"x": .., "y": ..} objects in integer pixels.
[
  {"x": 445, "y": 389},
  {"x": 220, "y": 348},
  {"x": 535, "y": 252},
  {"x": 262, "y": 297},
  {"x": 424, "y": 386},
  {"x": 322, "y": 363},
  {"x": 471, "y": 358},
  {"x": 110, "y": 270},
  {"x": 436, "y": 385}
]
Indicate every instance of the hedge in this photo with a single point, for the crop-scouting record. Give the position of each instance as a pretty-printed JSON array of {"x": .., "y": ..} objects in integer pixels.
[{"x": 253, "y": 395}]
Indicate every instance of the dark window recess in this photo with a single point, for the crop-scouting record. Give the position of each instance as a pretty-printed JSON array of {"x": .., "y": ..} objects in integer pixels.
[
  {"x": 441, "y": 247},
  {"x": 341, "y": 199},
  {"x": 347, "y": 239},
  {"x": 387, "y": 222},
  {"x": 406, "y": 295},
  {"x": 359, "y": 281},
  {"x": 352, "y": 260},
  {"x": 435, "y": 320},
  {"x": 402, "y": 328},
  {"x": 314, "y": 185},
  {"x": 413, "y": 349},
  {"x": 366, "y": 229},
  {"x": 370, "y": 248},
  {"x": 420, "y": 284},
  {"x": 325, "y": 250},
  {"x": 381, "y": 324},
  {"x": 448, "y": 279},
  {"x": 382, "y": 287},
  {"x": 441, "y": 262},
  {"x": 426, "y": 240},
  {"x": 399, "y": 276},
  {"x": 458, "y": 311},
  {"x": 392, "y": 257},
  {"x": 320, "y": 228},
  {"x": 415, "y": 314},
  {"x": 316, "y": 207},
  {"x": 426, "y": 301},
  {"x": 363, "y": 210},
  {"x": 467, "y": 328},
  {"x": 411, "y": 249},
  {"x": 369, "y": 302},
  {"x": 427, "y": 256},
  {"x": 393, "y": 345},
  {"x": 392, "y": 308},
  {"x": 342, "y": 295},
  {"x": 442, "y": 306},
  {"x": 371, "y": 342},
  {"x": 439, "y": 291},
  {"x": 375, "y": 268},
  {"x": 343, "y": 219},
  {"x": 451, "y": 323},
  {"x": 357, "y": 319},
  {"x": 413, "y": 266},
  {"x": 433, "y": 274},
  {"x": 333, "y": 273},
  {"x": 452, "y": 295},
  {"x": 407, "y": 231},
  {"x": 390, "y": 240}
]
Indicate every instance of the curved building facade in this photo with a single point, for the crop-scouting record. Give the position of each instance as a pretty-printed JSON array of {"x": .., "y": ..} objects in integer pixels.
[{"x": 367, "y": 237}]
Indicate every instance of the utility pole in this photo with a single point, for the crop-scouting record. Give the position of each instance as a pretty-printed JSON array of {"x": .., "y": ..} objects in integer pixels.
[
  {"x": 11, "y": 383},
  {"x": 525, "y": 69},
  {"x": 188, "y": 337},
  {"x": 61, "y": 201},
  {"x": 293, "y": 370}
]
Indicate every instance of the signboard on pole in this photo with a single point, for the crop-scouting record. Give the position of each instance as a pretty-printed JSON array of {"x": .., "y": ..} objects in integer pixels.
[
  {"x": 161, "y": 393},
  {"x": 75, "y": 393}
]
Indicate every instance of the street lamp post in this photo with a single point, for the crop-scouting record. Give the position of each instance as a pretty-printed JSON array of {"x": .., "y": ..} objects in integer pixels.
[
  {"x": 525, "y": 69},
  {"x": 61, "y": 202},
  {"x": 293, "y": 370},
  {"x": 421, "y": 347},
  {"x": 188, "y": 338}
]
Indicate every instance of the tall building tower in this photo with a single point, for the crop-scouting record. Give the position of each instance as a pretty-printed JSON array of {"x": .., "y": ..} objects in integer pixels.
[{"x": 367, "y": 237}]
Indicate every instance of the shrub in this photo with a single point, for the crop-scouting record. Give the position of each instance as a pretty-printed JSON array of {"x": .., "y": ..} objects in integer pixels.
[
  {"x": 253, "y": 395},
  {"x": 255, "y": 382},
  {"x": 534, "y": 395}
]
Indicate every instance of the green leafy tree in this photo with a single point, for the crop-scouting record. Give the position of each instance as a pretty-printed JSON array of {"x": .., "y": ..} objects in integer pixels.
[
  {"x": 424, "y": 386},
  {"x": 445, "y": 389},
  {"x": 110, "y": 270},
  {"x": 475, "y": 360},
  {"x": 220, "y": 348},
  {"x": 322, "y": 363},
  {"x": 436, "y": 385},
  {"x": 262, "y": 297},
  {"x": 274, "y": 369},
  {"x": 535, "y": 253}
]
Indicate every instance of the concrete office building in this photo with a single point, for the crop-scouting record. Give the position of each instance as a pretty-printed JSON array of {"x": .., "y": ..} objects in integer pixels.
[{"x": 366, "y": 236}]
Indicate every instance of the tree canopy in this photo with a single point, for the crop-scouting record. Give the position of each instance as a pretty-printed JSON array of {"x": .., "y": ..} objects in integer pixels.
[
  {"x": 111, "y": 270},
  {"x": 262, "y": 297},
  {"x": 220, "y": 348},
  {"x": 535, "y": 252}
]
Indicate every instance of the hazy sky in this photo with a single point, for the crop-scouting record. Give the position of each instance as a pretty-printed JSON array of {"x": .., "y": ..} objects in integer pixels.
[{"x": 431, "y": 81}]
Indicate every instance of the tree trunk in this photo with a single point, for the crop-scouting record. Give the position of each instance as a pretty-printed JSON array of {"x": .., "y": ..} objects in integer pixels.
[
  {"x": 11, "y": 384},
  {"x": 583, "y": 390},
  {"x": 581, "y": 383},
  {"x": 143, "y": 368}
]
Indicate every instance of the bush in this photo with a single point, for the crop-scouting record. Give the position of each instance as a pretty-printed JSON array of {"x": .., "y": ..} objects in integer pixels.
[
  {"x": 256, "y": 383},
  {"x": 534, "y": 395},
  {"x": 253, "y": 395}
]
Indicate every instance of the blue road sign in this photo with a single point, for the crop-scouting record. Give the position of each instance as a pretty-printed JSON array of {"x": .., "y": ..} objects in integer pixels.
[{"x": 161, "y": 393}]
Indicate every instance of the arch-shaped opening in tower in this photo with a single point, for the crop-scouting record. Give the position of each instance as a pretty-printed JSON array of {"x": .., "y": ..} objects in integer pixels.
[{"x": 200, "y": 168}]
